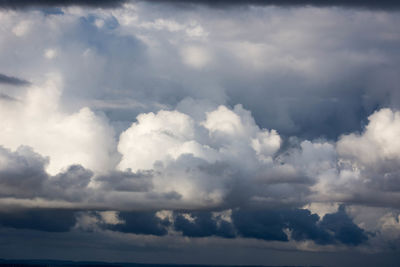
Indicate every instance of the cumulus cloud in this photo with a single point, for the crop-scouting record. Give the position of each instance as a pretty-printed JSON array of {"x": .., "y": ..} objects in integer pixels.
[
  {"x": 125, "y": 147},
  {"x": 197, "y": 158},
  {"x": 221, "y": 158},
  {"x": 367, "y": 163},
  {"x": 378, "y": 143},
  {"x": 230, "y": 172},
  {"x": 37, "y": 120}
]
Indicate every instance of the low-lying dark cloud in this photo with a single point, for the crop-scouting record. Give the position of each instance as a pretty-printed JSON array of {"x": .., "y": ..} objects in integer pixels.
[
  {"x": 10, "y": 79},
  {"x": 270, "y": 225},
  {"x": 202, "y": 225},
  {"x": 17, "y": 4},
  {"x": 371, "y": 4},
  {"x": 146, "y": 223},
  {"x": 344, "y": 228},
  {"x": 48, "y": 220}
]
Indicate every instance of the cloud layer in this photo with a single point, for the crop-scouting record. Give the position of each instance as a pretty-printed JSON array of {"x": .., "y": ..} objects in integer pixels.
[
  {"x": 153, "y": 129},
  {"x": 59, "y": 3},
  {"x": 386, "y": 4}
]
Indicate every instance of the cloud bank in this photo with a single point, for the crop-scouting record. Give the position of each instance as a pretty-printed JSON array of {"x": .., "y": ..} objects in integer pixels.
[
  {"x": 148, "y": 129},
  {"x": 172, "y": 165}
]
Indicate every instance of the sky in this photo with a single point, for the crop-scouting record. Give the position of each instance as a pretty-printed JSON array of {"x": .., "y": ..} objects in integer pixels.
[{"x": 202, "y": 132}]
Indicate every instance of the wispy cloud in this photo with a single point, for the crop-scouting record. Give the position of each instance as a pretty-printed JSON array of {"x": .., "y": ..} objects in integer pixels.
[{"x": 5, "y": 79}]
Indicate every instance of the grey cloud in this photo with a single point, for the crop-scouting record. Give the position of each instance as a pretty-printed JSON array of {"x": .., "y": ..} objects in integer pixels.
[
  {"x": 48, "y": 220},
  {"x": 344, "y": 228},
  {"x": 10, "y": 80},
  {"x": 16, "y": 4},
  {"x": 71, "y": 185},
  {"x": 23, "y": 174},
  {"x": 7, "y": 97},
  {"x": 203, "y": 225},
  {"x": 336, "y": 73},
  {"x": 373, "y": 4},
  {"x": 270, "y": 225},
  {"x": 146, "y": 223},
  {"x": 126, "y": 181}
]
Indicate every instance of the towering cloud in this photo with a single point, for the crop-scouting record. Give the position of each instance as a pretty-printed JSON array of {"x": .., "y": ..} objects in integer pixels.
[
  {"x": 38, "y": 121},
  {"x": 148, "y": 130}
]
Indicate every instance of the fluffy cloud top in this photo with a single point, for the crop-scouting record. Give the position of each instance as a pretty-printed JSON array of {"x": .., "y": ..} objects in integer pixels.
[{"x": 37, "y": 120}]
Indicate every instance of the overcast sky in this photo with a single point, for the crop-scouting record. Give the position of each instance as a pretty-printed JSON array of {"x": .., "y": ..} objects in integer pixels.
[{"x": 202, "y": 132}]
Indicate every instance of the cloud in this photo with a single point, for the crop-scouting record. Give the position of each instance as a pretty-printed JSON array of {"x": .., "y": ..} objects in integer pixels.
[
  {"x": 146, "y": 223},
  {"x": 273, "y": 225},
  {"x": 343, "y": 228},
  {"x": 41, "y": 220},
  {"x": 203, "y": 224},
  {"x": 5, "y": 97},
  {"x": 219, "y": 158},
  {"x": 49, "y": 131},
  {"x": 378, "y": 143},
  {"x": 122, "y": 134},
  {"x": 298, "y": 74},
  {"x": 12, "y": 4},
  {"x": 4, "y": 79},
  {"x": 372, "y": 4}
]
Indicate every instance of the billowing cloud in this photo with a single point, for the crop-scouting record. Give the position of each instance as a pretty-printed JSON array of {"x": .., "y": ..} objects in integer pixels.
[
  {"x": 156, "y": 129},
  {"x": 37, "y": 121}
]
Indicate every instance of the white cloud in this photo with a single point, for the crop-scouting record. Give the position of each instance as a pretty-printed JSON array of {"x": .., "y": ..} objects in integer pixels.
[
  {"x": 380, "y": 142},
  {"x": 22, "y": 28},
  {"x": 38, "y": 121},
  {"x": 50, "y": 53},
  {"x": 196, "y": 56}
]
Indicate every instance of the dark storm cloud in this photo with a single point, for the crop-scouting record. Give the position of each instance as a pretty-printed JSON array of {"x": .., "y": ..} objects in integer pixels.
[
  {"x": 146, "y": 223},
  {"x": 270, "y": 225},
  {"x": 41, "y": 220},
  {"x": 385, "y": 4},
  {"x": 203, "y": 225},
  {"x": 343, "y": 228},
  {"x": 12, "y": 80},
  {"x": 16, "y": 4}
]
